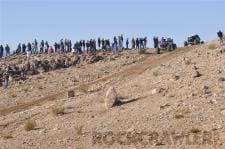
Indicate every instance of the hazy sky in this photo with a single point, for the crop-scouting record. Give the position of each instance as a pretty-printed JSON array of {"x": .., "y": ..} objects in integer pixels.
[{"x": 24, "y": 20}]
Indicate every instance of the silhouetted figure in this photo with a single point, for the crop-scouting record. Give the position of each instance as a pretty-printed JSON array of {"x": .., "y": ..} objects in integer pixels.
[
  {"x": 1, "y": 51},
  {"x": 7, "y": 50},
  {"x": 220, "y": 35},
  {"x": 127, "y": 43}
]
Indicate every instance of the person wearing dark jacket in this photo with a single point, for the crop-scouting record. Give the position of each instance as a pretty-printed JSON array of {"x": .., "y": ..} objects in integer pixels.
[
  {"x": 56, "y": 47},
  {"x": 7, "y": 50},
  {"x": 137, "y": 43},
  {"x": 24, "y": 48},
  {"x": 99, "y": 43},
  {"x": 127, "y": 43},
  {"x": 42, "y": 46},
  {"x": 156, "y": 42},
  {"x": 29, "y": 46},
  {"x": 1, "y": 51},
  {"x": 220, "y": 35},
  {"x": 19, "y": 48}
]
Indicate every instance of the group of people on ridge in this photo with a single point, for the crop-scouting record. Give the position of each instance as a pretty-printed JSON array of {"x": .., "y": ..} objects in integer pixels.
[{"x": 65, "y": 46}]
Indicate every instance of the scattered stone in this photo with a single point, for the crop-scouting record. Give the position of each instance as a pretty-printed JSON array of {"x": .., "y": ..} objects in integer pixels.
[
  {"x": 95, "y": 58},
  {"x": 221, "y": 79},
  {"x": 71, "y": 93},
  {"x": 195, "y": 68},
  {"x": 213, "y": 101},
  {"x": 223, "y": 112},
  {"x": 111, "y": 98},
  {"x": 219, "y": 71},
  {"x": 187, "y": 61},
  {"x": 159, "y": 144},
  {"x": 176, "y": 77},
  {"x": 164, "y": 106},
  {"x": 154, "y": 91},
  {"x": 197, "y": 74},
  {"x": 193, "y": 94},
  {"x": 206, "y": 90}
]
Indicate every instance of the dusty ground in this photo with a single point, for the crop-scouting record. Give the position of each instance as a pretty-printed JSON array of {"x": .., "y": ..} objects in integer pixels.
[{"x": 177, "y": 95}]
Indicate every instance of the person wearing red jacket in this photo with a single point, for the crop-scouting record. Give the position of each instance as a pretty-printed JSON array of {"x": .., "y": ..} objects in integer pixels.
[{"x": 50, "y": 50}]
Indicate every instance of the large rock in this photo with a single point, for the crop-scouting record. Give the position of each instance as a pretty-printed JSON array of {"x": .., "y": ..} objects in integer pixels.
[{"x": 111, "y": 98}]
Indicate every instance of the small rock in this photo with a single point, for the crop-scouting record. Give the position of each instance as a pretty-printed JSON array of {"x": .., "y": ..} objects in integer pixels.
[
  {"x": 111, "y": 98},
  {"x": 195, "y": 68},
  {"x": 221, "y": 79},
  {"x": 223, "y": 112},
  {"x": 176, "y": 77},
  {"x": 71, "y": 93},
  {"x": 219, "y": 71},
  {"x": 154, "y": 91},
  {"x": 213, "y": 101},
  {"x": 197, "y": 74},
  {"x": 163, "y": 106},
  {"x": 206, "y": 90}
]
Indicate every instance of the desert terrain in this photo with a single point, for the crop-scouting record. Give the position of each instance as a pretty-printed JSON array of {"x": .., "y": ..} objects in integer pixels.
[{"x": 171, "y": 100}]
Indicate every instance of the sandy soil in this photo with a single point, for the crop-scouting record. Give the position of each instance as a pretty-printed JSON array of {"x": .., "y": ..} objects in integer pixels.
[{"x": 177, "y": 95}]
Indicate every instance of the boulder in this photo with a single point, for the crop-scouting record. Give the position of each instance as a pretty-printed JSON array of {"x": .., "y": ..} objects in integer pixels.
[{"x": 111, "y": 98}]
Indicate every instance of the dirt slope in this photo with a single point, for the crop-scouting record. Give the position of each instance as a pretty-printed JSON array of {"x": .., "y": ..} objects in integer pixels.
[{"x": 180, "y": 93}]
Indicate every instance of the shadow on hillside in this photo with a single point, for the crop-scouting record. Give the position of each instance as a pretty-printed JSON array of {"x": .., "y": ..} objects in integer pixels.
[{"x": 124, "y": 100}]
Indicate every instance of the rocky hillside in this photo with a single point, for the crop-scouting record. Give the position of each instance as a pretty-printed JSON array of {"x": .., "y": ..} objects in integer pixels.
[{"x": 172, "y": 100}]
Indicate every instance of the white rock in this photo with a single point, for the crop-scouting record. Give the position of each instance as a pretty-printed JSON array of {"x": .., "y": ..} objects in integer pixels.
[
  {"x": 111, "y": 98},
  {"x": 154, "y": 91}
]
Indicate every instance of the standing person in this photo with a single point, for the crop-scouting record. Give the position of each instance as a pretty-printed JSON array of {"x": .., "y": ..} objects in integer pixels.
[
  {"x": 156, "y": 42},
  {"x": 103, "y": 44},
  {"x": 133, "y": 43},
  {"x": 127, "y": 43},
  {"x": 50, "y": 50},
  {"x": 141, "y": 43},
  {"x": 28, "y": 50},
  {"x": 115, "y": 42},
  {"x": 220, "y": 35},
  {"x": 88, "y": 46},
  {"x": 99, "y": 43},
  {"x": 70, "y": 45},
  {"x": 35, "y": 46},
  {"x": 65, "y": 45},
  {"x": 137, "y": 43},
  {"x": 145, "y": 42},
  {"x": 24, "y": 48},
  {"x": 19, "y": 48},
  {"x": 46, "y": 47},
  {"x": 32, "y": 48},
  {"x": 42, "y": 46},
  {"x": 7, "y": 50},
  {"x": 1, "y": 51},
  {"x": 5, "y": 79},
  {"x": 56, "y": 47},
  {"x": 29, "y": 46},
  {"x": 61, "y": 46},
  {"x": 84, "y": 45},
  {"x": 121, "y": 38}
]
